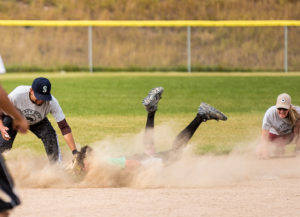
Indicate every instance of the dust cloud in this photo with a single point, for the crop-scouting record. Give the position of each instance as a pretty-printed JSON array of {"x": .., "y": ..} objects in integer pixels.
[{"x": 32, "y": 170}]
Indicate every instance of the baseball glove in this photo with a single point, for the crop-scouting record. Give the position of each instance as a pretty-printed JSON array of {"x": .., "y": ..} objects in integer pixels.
[{"x": 78, "y": 163}]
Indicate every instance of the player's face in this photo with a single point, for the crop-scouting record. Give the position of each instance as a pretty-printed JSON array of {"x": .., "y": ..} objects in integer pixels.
[
  {"x": 34, "y": 99},
  {"x": 283, "y": 113}
]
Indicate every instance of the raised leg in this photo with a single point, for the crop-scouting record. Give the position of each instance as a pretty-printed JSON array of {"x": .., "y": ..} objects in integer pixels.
[
  {"x": 205, "y": 112},
  {"x": 150, "y": 103}
]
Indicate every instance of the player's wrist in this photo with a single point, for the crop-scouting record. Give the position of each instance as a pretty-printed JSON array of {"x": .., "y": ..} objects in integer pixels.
[{"x": 74, "y": 151}]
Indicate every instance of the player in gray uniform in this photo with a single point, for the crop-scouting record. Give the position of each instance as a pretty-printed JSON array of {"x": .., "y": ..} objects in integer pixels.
[
  {"x": 205, "y": 112},
  {"x": 280, "y": 127},
  {"x": 35, "y": 103}
]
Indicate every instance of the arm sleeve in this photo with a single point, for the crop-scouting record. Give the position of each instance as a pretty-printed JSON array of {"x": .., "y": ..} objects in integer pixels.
[
  {"x": 266, "y": 125},
  {"x": 14, "y": 95},
  {"x": 64, "y": 127},
  {"x": 297, "y": 109},
  {"x": 56, "y": 110}
]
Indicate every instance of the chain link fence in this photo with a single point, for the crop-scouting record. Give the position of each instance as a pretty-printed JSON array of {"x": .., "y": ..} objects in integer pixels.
[{"x": 196, "y": 48}]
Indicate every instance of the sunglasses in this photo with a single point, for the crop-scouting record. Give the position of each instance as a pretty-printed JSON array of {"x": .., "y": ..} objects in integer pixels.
[{"x": 282, "y": 109}]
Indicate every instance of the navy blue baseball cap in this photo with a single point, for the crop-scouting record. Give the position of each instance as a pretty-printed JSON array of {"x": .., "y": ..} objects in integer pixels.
[{"x": 41, "y": 88}]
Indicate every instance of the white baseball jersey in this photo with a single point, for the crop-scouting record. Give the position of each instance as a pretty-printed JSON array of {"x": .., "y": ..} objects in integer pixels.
[
  {"x": 32, "y": 112},
  {"x": 276, "y": 125}
]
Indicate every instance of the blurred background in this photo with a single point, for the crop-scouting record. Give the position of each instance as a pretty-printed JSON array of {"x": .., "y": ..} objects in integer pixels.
[{"x": 149, "y": 48}]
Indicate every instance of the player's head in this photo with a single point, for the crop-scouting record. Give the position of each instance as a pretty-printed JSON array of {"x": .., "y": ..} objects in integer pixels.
[
  {"x": 285, "y": 109},
  {"x": 40, "y": 89},
  {"x": 283, "y": 105}
]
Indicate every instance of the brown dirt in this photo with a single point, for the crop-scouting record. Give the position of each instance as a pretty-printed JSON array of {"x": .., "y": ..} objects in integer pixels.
[
  {"x": 264, "y": 197},
  {"x": 234, "y": 185}
]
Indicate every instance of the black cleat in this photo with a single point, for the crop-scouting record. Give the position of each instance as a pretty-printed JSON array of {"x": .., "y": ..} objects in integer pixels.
[
  {"x": 208, "y": 112},
  {"x": 150, "y": 102}
]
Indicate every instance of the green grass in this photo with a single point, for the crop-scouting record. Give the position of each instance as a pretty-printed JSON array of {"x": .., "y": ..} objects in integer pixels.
[{"x": 108, "y": 105}]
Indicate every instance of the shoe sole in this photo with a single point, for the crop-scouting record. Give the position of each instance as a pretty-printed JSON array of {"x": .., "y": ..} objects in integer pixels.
[
  {"x": 212, "y": 112},
  {"x": 153, "y": 97}
]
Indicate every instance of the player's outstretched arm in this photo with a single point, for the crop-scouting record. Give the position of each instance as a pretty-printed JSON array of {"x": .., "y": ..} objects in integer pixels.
[
  {"x": 262, "y": 148},
  {"x": 20, "y": 122},
  {"x": 71, "y": 142}
]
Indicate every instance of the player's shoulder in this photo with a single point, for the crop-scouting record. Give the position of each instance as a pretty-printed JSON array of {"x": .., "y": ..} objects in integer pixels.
[
  {"x": 297, "y": 108},
  {"x": 271, "y": 109},
  {"x": 23, "y": 89},
  {"x": 271, "y": 112},
  {"x": 54, "y": 101}
]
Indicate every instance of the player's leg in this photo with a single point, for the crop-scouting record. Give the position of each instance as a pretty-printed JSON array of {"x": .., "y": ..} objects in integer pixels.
[
  {"x": 7, "y": 187},
  {"x": 205, "y": 112},
  {"x": 148, "y": 139},
  {"x": 278, "y": 143},
  {"x": 6, "y": 145},
  {"x": 150, "y": 103},
  {"x": 47, "y": 134}
]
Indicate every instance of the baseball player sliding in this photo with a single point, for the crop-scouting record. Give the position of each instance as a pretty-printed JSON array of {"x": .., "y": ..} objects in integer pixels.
[{"x": 205, "y": 112}]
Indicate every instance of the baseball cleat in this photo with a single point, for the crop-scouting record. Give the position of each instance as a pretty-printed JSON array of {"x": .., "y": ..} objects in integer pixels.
[
  {"x": 208, "y": 112},
  {"x": 150, "y": 102}
]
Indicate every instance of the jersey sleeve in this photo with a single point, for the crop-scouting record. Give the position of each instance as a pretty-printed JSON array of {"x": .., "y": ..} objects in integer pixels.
[
  {"x": 297, "y": 109},
  {"x": 13, "y": 95},
  {"x": 56, "y": 110},
  {"x": 266, "y": 125}
]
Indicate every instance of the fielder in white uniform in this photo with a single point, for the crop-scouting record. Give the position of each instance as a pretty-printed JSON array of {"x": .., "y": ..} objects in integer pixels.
[
  {"x": 35, "y": 103},
  {"x": 280, "y": 127}
]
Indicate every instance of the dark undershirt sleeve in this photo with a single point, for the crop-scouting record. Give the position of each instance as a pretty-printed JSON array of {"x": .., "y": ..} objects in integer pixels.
[{"x": 64, "y": 127}]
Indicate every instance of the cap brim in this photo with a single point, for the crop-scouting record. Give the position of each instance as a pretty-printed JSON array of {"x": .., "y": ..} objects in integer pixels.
[
  {"x": 282, "y": 106},
  {"x": 43, "y": 97}
]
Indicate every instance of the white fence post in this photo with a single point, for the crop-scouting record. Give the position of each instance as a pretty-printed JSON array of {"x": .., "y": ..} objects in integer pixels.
[
  {"x": 286, "y": 49},
  {"x": 90, "y": 47},
  {"x": 2, "y": 67}
]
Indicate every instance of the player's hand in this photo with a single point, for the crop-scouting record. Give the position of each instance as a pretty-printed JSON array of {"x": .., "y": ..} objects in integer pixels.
[
  {"x": 4, "y": 213},
  {"x": 20, "y": 125},
  {"x": 4, "y": 133}
]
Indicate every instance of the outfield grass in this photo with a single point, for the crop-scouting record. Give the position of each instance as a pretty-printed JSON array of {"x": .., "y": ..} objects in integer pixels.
[{"x": 108, "y": 105}]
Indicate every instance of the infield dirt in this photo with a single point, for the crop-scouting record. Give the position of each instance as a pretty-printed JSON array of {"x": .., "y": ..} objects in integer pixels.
[
  {"x": 249, "y": 198},
  {"x": 233, "y": 185}
]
